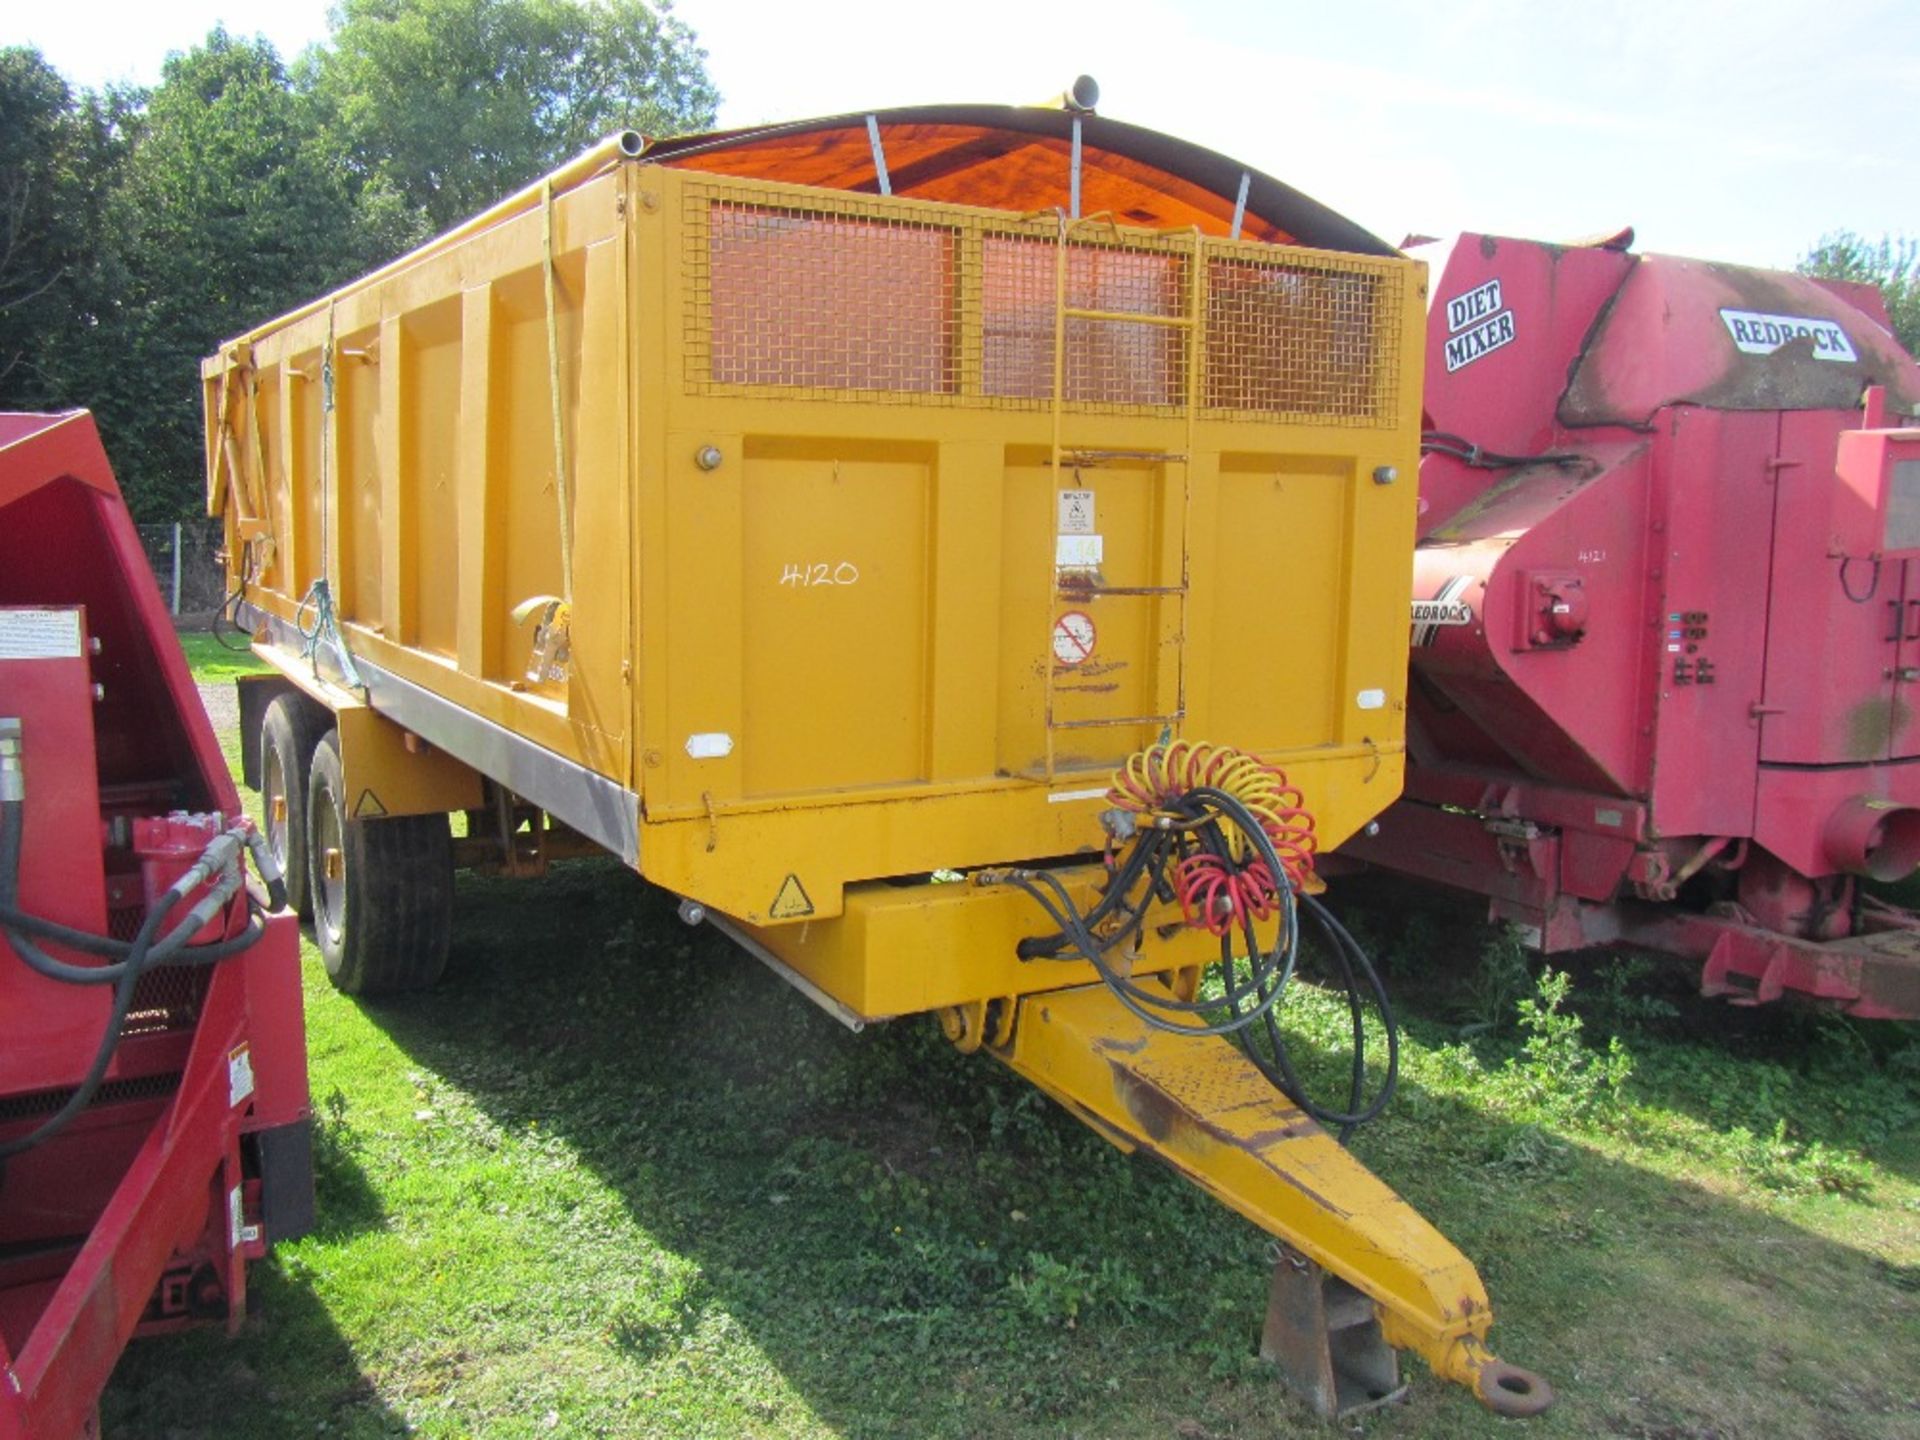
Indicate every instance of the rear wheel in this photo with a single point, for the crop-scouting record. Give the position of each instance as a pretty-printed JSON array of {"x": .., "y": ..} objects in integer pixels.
[
  {"x": 382, "y": 889},
  {"x": 288, "y": 733}
]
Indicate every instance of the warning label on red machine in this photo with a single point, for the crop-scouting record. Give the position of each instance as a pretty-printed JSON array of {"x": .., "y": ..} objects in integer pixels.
[
  {"x": 1757, "y": 334},
  {"x": 39, "y": 634}
]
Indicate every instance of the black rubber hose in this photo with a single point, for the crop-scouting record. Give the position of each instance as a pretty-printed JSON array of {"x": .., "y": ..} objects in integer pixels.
[
  {"x": 141, "y": 953},
  {"x": 1136, "y": 860},
  {"x": 1249, "y": 1002},
  {"x": 172, "y": 949},
  {"x": 1353, "y": 962},
  {"x": 1095, "y": 952},
  {"x": 103, "y": 1056},
  {"x": 18, "y": 924},
  {"x": 1263, "y": 985},
  {"x": 1442, "y": 442}
]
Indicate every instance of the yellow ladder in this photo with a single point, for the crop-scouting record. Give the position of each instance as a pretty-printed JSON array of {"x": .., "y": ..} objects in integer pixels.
[{"x": 1063, "y": 456}]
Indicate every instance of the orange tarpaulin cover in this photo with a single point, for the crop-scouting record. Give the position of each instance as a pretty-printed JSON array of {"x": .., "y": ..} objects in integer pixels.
[{"x": 1021, "y": 160}]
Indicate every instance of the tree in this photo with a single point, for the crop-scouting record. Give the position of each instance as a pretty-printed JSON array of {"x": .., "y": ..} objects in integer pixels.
[
  {"x": 1892, "y": 263},
  {"x": 58, "y": 155},
  {"x": 226, "y": 214},
  {"x": 140, "y": 229},
  {"x": 451, "y": 104}
]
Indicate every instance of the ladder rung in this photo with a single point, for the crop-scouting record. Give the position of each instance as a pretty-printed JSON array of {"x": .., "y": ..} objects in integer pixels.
[
  {"x": 1082, "y": 592},
  {"x": 1093, "y": 457},
  {"x": 1130, "y": 317},
  {"x": 1116, "y": 722}
]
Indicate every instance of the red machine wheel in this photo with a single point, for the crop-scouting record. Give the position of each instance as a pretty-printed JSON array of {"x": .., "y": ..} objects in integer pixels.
[
  {"x": 289, "y": 732},
  {"x": 382, "y": 890}
]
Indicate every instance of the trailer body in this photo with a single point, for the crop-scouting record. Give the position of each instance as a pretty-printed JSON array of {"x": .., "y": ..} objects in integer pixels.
[
  {"x": 814, "y": 524},
  {"x": 813, "y": 517}
]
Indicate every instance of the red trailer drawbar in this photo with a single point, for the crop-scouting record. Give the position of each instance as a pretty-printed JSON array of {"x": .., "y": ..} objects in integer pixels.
[
  {"x": 153, "y": 1091},
  {"x": 1666, "y": 619}
]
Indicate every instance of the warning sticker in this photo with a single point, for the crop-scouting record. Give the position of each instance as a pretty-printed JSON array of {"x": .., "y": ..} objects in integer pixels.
[
  {"x": 239, "y": 1074},
  {"x": 368, "y": 806},
  {"x": 1073, "y": 637},
  {"x": 238, "y": 1231},
  {"x": 39, "y": 634},
  {"x": 792, "y": 902},
  {"x": 1076, "y": 512}
]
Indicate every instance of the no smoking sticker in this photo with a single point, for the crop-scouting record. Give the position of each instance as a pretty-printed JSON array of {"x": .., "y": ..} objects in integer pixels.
[{"x": 1073, "y": 637}]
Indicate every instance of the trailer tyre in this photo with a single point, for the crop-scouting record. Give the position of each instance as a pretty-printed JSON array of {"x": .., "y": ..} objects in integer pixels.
[
  {"x": 289, "y": 732},
  {"x": 382, "y": 889}
]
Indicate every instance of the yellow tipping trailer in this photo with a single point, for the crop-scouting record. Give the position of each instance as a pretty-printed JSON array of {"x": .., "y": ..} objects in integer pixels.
[{"x": 815, "y": 517}]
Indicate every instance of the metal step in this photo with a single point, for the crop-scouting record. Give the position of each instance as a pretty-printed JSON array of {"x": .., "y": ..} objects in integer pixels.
[
  {"x": 1094, "y": 592},
  {"x": 1117, "y": 721}
]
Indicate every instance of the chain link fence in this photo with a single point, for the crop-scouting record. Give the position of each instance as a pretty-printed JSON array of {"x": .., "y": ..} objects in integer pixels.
[{"x": 186, "y": 563}]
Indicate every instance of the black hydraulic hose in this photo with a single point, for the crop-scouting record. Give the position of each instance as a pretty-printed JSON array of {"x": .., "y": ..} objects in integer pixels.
[
  {"x": 103, "y": 1056},
  {"x": 1351, "y": 959},
  {"x": 1151, "y": 1006},
  {"x": 230, "y": 605},
  {"x": 1095, "y": 951},
  {"x": 140, "y": 954},
  {"x": 1269, "y": 971},
  {"x": 234, "y": 600},
  {"x": 1254, "y": 1001},
  {"x": 18, "y": 924},
  {"x": 1445, "y": 442},
  {"x": 1142, "y": 857},
  {"x": 172, "y": 948}
]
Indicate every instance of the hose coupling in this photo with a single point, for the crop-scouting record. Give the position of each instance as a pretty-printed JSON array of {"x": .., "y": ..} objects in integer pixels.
[
  {"x": 214, "y": 903},
  {"x": 267, "y": 866}
]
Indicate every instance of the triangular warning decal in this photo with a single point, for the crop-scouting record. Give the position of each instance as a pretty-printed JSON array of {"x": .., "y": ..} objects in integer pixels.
[
  {"x": 368, "y": 806},
  {"x": 792, "y": 902}
]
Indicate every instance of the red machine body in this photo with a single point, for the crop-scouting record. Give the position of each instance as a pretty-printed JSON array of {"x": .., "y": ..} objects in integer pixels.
[
  {"x": 141, "y": 1214},
  {"x": 1666, "y": 639}
]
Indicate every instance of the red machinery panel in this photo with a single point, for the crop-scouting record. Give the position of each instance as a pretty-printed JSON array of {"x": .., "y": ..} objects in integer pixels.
[
  {"x": 1711, "y": 537},
  {"x": 47, "y": 686},
  {"x": 1666, "y": 640},
  {"x": 153, "y": 1131}
]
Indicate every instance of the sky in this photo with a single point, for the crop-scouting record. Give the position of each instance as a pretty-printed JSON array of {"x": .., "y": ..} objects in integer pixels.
[{"x": 1738, "y": 130}]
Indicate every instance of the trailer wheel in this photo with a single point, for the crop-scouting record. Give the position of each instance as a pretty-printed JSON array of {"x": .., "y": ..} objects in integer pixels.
[
  {"x": 288, "y": 734},
  {"x": 382, "y": 889}
]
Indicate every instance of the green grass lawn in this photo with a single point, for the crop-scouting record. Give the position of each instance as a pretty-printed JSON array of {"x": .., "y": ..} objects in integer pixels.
[
  {"x": 213, "y": 661},
  {"x": 613, "y": 1178}
]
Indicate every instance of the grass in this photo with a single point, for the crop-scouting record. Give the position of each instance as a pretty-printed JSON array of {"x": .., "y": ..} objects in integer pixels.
[
  {"x": 213, "y": 662},
  {"x": 614, "y": 1179}
]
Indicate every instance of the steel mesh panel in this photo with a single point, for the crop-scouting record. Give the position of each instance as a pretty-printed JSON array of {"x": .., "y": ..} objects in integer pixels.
[
  {"x": 168, "y": 998},
  {"x": 817, "y": 301},
  {"x": 113, "y": 1092},
  {"x": 794, "y": 293},
  {"x": 1109, "y": 363},
  {"x": 1312, "y": 340}
]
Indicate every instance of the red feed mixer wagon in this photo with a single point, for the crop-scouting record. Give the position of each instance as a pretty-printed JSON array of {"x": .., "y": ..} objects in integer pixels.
[
  {"x": 153, "y": 1089},
  {"x": 1665, "y": 657}
]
